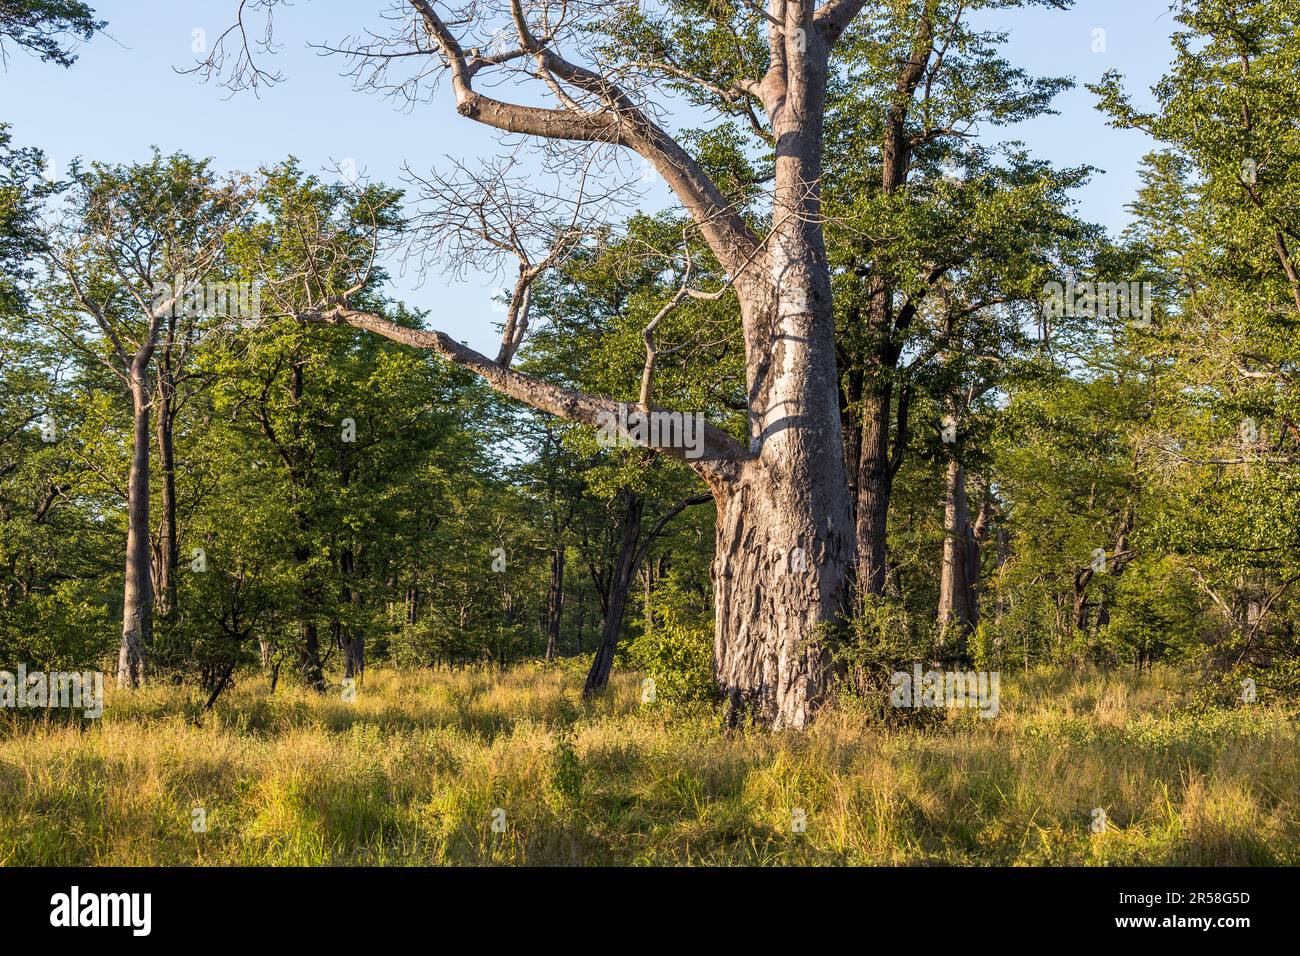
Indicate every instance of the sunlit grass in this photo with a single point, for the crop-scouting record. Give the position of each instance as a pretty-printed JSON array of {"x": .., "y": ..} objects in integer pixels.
[{"x": 421, "y": 765}]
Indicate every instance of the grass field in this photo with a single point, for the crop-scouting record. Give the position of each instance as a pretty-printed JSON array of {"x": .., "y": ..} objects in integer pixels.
[{"x": 419, "y": 768}]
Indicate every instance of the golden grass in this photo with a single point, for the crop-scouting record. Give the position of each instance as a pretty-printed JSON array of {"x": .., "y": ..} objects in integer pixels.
[{"x": 417, "y": 769}]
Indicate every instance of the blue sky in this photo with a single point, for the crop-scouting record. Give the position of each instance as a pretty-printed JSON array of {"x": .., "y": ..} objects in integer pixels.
[{"x": 123, "y": 96}]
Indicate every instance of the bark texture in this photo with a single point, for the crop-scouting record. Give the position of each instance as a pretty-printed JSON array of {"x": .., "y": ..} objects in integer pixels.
[{"x": 779, "y": 579}]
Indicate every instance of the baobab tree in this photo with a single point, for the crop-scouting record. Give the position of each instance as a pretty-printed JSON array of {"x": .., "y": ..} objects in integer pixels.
[{"x": 785, "y": 538}]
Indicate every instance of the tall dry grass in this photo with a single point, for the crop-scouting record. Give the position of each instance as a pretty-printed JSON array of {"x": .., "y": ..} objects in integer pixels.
[{"x": 417, "y": 770}]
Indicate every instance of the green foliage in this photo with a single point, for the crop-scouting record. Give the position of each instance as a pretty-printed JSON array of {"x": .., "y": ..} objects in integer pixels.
[
  {"x": 67, "y": 628},
  {"x": 567, "y": 771},
  {"x": 882, "y": 638},
  {"x": 676, "y": 652},
  {"x": 47, "y": 28},
  {"x": 1076, "y": 436}
]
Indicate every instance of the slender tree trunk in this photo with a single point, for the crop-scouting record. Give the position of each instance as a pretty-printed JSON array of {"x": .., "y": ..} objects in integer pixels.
[
  {"x": 1003, "y": 556},
  {"x": 958, "y": 609},
  {"x": 355, "y": 660},
  {"x": 647, "y": 595},
  {"x": 352, "y": 638},
  {"x": 975, "y": 550},
  {"x": 884, "y": 333},
  {"x": 168, "y": 557},
  {"x": 309, "y": 593},
  {"x": 313, "y": 672},
  {"x": 137, "y": 599},
  {"x": 412, "y": 604},
  {"x": 619, "y": 588},
  {"x": 309, "y": 659},
  {"x": 555, "y": 602},
  {"x": 874, "y": 486},
  {"x": 1080, "y": 612},
  {"x": 582, "y": 621}
]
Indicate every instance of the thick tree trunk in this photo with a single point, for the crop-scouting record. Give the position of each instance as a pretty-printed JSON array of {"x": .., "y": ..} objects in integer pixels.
[
  {"x": 779, "y": 575},
  {"x": 620, "y": 587},
  {"x": 555, "y": 602},
  {"x": 137, "y": 599},
  {"x": 785, "y": 534}
]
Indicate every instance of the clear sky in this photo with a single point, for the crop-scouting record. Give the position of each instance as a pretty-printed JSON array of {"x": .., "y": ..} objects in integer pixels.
[{"x": 123, "y": 96}]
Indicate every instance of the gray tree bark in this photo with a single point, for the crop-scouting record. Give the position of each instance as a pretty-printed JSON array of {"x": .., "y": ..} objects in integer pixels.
[
  {"x": 168, "y": 558},
  {"x": 137, "y": 597}
]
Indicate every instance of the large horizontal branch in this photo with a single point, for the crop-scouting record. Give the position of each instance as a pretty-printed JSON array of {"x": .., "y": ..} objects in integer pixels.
[{"x": 719, "y": 450}]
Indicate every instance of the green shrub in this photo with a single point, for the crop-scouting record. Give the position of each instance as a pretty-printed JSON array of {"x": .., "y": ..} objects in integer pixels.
[{"x": 676, "y": 652}]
